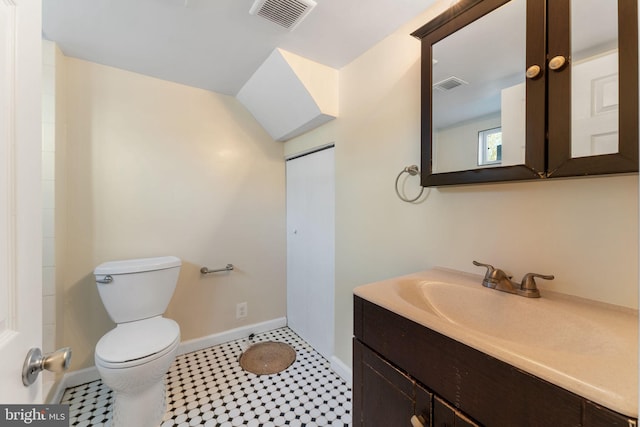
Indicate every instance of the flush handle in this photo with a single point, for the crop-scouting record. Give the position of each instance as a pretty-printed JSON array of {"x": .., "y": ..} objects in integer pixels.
[
  {"x": 107, "y": 279},
  {"x": 35, "y": 362}
]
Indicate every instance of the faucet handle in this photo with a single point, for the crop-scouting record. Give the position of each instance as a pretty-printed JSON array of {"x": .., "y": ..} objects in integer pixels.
[
  {"x": 528, "y": 285},
  {"x": 490, "y": 268},
  {"x": 489, "y": 279}
]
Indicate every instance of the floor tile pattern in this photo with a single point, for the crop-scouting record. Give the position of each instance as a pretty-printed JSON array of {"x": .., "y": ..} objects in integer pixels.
[{"x": 209, "y": 388}]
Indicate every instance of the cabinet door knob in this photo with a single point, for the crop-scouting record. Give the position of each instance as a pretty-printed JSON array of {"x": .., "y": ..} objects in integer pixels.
[
  {"x": 533, "y": 71},
  {"x": 418, "y": 421},
  {"x": 557, "y": 62}
]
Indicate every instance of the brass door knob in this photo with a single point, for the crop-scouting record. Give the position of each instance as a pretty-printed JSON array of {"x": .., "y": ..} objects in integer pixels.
[{"x": 557, "y": 62}]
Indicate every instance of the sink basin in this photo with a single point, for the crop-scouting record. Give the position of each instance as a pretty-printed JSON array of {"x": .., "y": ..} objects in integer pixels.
[{"x": 530, "y": 321}]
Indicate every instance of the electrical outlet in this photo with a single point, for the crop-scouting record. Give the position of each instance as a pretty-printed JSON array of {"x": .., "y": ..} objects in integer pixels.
[{"x": 241, "y": 310}]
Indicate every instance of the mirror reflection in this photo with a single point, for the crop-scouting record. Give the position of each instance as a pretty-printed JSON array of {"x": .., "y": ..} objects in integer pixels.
[
  {"x": 594, "y": 77},
  {"x": 478, "y": 98}
]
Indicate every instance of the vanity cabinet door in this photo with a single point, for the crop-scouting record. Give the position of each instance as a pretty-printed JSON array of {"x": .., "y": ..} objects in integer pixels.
[
  {"x": 423, "y": 409},
  {"x": 444, "y": 415},
  {"x": 383, "y": 396}
]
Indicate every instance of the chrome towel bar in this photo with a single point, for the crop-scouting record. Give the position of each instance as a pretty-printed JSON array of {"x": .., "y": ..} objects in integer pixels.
[{"x": 205, "y": 270}]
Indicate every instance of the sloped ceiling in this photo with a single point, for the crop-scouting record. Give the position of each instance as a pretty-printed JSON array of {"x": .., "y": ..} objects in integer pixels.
[
  {"x": 215, "y": 44},
  {"x": 290, "y": 95}
]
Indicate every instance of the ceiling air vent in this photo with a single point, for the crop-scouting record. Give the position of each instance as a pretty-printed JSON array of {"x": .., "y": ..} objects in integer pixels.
[
  {"x": 449, "y": 83},
  {"x": 286, "y": 13}
]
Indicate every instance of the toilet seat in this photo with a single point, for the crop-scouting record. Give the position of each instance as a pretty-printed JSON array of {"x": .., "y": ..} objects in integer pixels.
[{"x": 135, "y": 343}]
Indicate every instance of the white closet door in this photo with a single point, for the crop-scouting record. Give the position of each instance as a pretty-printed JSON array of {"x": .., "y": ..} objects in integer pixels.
[{"x": 311, "y": 248}]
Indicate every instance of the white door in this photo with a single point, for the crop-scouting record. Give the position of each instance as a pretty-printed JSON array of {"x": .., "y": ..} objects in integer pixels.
[
  {"x": 20, "y": 195},
  {"x": 594, "y": 106},
  {"x": 310, "y": 248}
]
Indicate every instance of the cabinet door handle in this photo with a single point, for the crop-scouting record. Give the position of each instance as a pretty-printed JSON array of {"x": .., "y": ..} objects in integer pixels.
[
  {"x": 418, "y": 421},
  {"x": 557, "y": 62}
]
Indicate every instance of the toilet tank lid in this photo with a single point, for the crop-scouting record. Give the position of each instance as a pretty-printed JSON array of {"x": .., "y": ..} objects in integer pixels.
[{"x": 137, "y": 265}]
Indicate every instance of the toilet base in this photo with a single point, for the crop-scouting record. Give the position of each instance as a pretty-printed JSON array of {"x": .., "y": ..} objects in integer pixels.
[
  {"x": 144, "y": 408},
  {"x": 137, "y": 384}
]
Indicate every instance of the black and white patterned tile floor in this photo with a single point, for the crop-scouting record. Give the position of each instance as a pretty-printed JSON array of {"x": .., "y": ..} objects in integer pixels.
[{"x": 209, "y": 388}]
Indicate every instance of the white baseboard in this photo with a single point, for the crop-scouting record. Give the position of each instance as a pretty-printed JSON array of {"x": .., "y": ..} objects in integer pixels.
[
  {"x": 55, "y": 393},
  {"x": 72, "y": 379},
  {"x": 230, "y": 335},
  {"x": 340, "y": 368}
]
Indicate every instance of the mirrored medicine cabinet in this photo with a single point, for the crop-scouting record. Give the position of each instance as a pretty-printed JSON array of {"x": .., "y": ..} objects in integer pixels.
[{"x": 529, "y": 89}]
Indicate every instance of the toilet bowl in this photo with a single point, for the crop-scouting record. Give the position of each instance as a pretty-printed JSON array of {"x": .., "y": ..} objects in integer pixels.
[{"x": 134, "y": 357}]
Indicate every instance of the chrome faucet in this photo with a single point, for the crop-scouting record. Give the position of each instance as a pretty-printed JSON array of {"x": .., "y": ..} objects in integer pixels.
[{"x": 497, "y": 279}]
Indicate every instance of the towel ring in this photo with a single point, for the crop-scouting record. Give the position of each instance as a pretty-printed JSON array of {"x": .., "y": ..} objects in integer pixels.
[{"x": 412, "y": 170}]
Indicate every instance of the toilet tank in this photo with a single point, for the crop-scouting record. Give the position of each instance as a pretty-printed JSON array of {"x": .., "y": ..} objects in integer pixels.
[{"x": 137, "y": 288}]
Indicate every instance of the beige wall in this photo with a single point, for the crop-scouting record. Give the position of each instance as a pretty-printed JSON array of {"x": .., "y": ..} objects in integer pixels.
[
  {"x": 584, "y": 231},
  {"x": 156, "y": 168}
]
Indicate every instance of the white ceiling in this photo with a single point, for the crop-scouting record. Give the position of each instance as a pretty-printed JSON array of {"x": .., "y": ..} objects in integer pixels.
[{"x": 215, "y": 44}]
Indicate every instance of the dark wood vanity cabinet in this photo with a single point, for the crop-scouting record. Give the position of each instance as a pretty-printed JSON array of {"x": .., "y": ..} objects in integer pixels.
[{"x": 402, "y": 369}]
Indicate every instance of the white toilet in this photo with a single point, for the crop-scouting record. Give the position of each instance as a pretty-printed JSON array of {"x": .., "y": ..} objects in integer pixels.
[{"x": 133, "y": 358}]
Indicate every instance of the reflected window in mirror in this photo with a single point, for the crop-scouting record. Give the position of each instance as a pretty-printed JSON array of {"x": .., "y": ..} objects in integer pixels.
[{"x": 490, "y": 147}]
